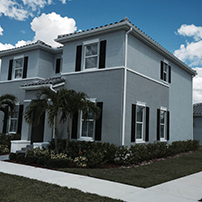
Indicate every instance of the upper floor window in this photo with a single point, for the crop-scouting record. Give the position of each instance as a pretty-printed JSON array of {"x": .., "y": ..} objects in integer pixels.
[
  {"x": 18, "y": 68},
  {"x": 58, "y": 65},
  {"x": 165, "y": 72},
  {"x": 91, "y": 55}
]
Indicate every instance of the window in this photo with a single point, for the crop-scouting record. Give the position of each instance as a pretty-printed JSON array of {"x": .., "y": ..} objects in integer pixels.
[
  {"x": 18, "y": 68},
  {"x": 165, "y": 72},
  {"x": 91, "y": 56},
  {"x": 57, "y": 68},
  {"x": 140, "y": 123},
  {"x": 163, "y": 119},
  {"x": 87, "y": 125},
  {"x": 13, "y": 121},
  {"x": 162, "y": 124}
]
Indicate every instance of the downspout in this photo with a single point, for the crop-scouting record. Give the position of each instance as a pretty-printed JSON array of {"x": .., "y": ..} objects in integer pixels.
[
  {"x": 54, "y": 127},
  {"x": 124, "y": 85}
]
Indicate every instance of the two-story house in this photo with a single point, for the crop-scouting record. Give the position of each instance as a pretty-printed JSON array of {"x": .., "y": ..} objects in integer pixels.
[{"x": 144, "y": 91}]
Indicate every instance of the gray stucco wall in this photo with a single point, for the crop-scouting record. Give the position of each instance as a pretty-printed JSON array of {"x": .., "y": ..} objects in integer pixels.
[
  {"x": 197, "y": 129},
  {"x": 106, "y": 86},
  {"x": 181, "y": 105},
  {"x": 154, "y": 94}
]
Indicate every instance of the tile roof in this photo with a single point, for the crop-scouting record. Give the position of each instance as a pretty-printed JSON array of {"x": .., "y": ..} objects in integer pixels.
[
  {"x": 53, "y": 81},
  {"x": 197, "y": 109},
  {"x": 37, "y": 43}
]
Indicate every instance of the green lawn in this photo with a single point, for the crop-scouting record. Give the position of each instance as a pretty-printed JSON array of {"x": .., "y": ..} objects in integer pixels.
[
  {"x": 148, "y": 175},
  {"x": 20, "y": 189}
]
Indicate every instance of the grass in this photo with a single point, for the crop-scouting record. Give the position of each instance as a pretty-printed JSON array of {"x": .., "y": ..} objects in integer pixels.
[
  {"x": 148, "y": 175},
  {"x": 19, "y": 189}
]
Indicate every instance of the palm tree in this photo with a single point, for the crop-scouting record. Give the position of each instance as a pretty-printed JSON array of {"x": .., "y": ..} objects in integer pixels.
[
  {"x": 47, "y": 101},
  {"x": 7, "y": 105},
  {"x": 72, "y": 103}
]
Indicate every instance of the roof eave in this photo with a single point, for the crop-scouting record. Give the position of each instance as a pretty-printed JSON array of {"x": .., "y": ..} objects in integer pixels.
[{"x": 29, "y": 48}]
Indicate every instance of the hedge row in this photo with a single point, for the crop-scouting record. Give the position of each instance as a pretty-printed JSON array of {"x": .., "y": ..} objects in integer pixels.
[{"x": 92, "y": 154}]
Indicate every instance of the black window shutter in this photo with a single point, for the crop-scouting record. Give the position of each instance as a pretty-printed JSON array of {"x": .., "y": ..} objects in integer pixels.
[
  {"x": 147, "y": 125},
  {"x": 74, "y": 126},
  {"x": 158, "y": 124},
  {"x": 98, "y": 123},
  {"x": 5, "y": 120},
  {"x": 10, "y": 69},
  {"x": 162, "y": 74},
  {"x": 168, "y": 125},
  {"x": 78, "y": 58},
  {"x": 133, "y": 122},
  {"x": 169, "y": 74},
  {"x": 57, "y": 68},
  {"x": 25, "y": 67},
  {"x": 20, "y": 115},
  {"x": 102, "y": 54}
]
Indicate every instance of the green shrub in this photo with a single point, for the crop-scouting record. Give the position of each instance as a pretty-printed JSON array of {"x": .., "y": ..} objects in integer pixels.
[
  {"x": 20, "y": 157},
  {"x": 59, "y": 163},
  {"x": 81, "y": 162},
  {"x": 12, "y": 156},
  {"x": 122, "y": 156},
  {"x": 4, "y": 149}
]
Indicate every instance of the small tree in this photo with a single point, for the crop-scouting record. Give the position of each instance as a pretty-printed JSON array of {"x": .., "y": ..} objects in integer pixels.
[
  {"x": 47, "y": 101},
  {"x": 7, "y": 105},
  {"x": 72, "y": 103}
]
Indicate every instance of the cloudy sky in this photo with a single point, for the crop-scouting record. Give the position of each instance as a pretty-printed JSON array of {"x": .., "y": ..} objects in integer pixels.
[{"x": 175, "y": 24}]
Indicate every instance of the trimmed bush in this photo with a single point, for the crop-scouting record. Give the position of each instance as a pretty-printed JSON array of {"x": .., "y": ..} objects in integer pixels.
[{"x": 12, "y": 156}]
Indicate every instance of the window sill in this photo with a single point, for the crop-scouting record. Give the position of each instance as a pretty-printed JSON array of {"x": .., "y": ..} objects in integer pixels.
[
  {"x": 87, "y": 139},
  {"x": 163, "y": 140},
  {"x": 139, "y": 141}
]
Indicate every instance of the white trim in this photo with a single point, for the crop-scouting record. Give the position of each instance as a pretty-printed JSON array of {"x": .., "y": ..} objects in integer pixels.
[
  {"x": 92, "y": 70},
  {"x": 163, "y": 108},
  {"x": 146, "y": 77},
  {"x": 24, "y": 79},
  {"x": 139, "y": 103},
  {"x": 91, "y": 41},
  {"x": 139, "y": 141},
  {"x": 27, "y": 101},
  {"x": 18, "y": 57}
]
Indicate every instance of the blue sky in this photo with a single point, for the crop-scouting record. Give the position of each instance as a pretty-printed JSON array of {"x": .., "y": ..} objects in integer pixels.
[{"x": 175, "y": 24}]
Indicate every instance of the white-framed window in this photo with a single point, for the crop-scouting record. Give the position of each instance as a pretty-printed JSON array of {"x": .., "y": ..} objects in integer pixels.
[
  {"x": 91, "y": 54},
  {"x": 18, "y": 67},
  {"x": 87, "y": 125},
  {"x": 140, "y": 121},
  {"x": 165, "y": 71},
  {"x": 13, "y": 121},
  {"x": 162, "y": 124}
]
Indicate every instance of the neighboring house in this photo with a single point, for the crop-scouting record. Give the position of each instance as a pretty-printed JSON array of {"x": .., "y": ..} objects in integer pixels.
[
  {"x": 144, "y": 92},
  {"x": 197, "y": 125}
]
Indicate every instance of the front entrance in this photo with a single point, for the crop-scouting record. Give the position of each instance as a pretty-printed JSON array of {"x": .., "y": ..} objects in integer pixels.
[{"x": 38, "y": 131}]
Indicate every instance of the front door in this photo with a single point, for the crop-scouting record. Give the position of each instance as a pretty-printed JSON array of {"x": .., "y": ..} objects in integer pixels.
[{"x": 38, "y": 131}]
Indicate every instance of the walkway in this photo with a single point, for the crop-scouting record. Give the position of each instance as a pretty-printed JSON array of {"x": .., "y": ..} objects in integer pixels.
[{"x": 186, "y": 189}]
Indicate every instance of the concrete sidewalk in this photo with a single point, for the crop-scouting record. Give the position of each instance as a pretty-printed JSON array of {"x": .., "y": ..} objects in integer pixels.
[{"x": 181, "y": 190}]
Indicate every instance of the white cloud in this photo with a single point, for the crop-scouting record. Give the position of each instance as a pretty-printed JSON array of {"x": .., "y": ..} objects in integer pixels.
[
  {"x": 1, "y": 30},
  {"x": 48, "y": 26},
  {"x": 197, "y": 86},
  {"x": 190, "y": 53},
  {"x": 21, "y": 11},
  {"x": 6, "y": 46},
  {"x": 191, "y": 31}
]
